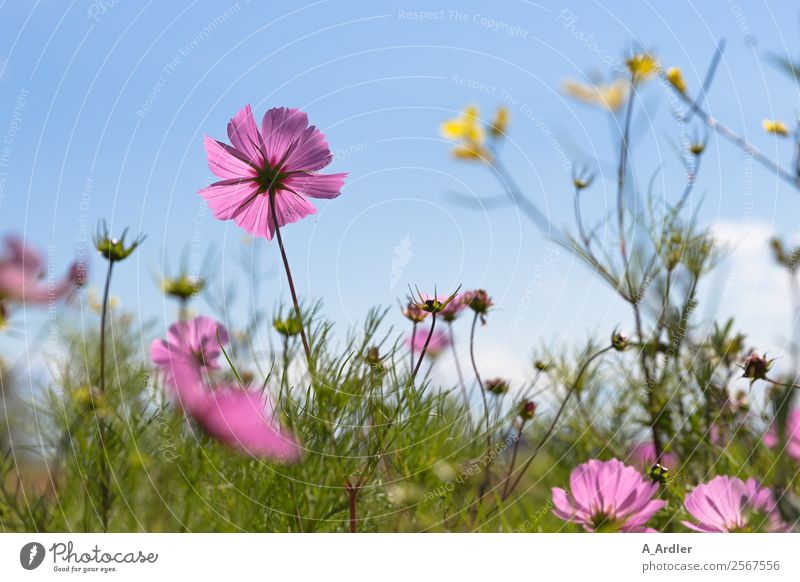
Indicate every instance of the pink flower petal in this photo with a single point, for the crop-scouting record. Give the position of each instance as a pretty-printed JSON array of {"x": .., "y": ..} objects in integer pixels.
[
  {"x": 243, "y": 133},
  {"x": 311, "y": 152},
  {"x": 227, "y": 162},
  {"x": 281, "y": 129},
  {"x": 227, "y": 197},
  {"x": 240, "y": 419},
  {"x": 318, "y": 185}
]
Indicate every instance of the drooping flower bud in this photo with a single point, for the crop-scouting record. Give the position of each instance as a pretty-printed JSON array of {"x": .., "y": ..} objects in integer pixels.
[
  {"x": 619, "y": 341},
  {"x": 478, "y": 300},
  {"x": 414, "y": 313},
  {"x": 496, "y": 386},
  {"x": 527, "y": 410},
  {"x": 541, "y": 365},
  {"x": 756, "y": 367}
]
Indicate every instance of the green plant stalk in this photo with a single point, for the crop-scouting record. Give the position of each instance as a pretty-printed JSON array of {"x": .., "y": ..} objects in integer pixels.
[
  {"x": 424, "y": 349},
  {"x": 105, "y": 491},
  {"x": 553, "y": 424},
  {"x": 277, "y": 228},
  {"x": 458, "y": 366}
]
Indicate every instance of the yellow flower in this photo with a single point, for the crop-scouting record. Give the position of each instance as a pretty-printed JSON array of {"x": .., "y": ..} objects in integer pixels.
[
  {"x": 500, "y": 122},
  {"x": 466, "y": 127},
  {"x": 675, "y": 78},
  {"x": 610, "y": 96},
  {"x": 467, "y": 130},
  {"x": 775, "y": 126},
  {"x": 642, "y": 66},
  {"x": 471, "y": 151}
]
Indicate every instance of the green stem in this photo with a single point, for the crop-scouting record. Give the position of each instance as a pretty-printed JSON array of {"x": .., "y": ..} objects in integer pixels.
[
  {"x": 553, "y": 424},
  {"x": 306, "y": 346},
  {"x": 105, "y": 478},
  {"x": 458, "y": 366},
  {"x": 424, "y": 349}
]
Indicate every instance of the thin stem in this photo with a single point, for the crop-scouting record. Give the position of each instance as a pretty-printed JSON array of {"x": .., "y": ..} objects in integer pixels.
[
  {"x": 291, "y": 282},
  {"x": 623, "y": 167},
  {"x": 424, "y": 349},
  {"x": 739, "y": 141},
  {"x": 352, "y": 495},
  {"x": 458, "y": 365},
  {"x": 480, "y": 382},
  {"x": 507, "y": 480},
  {"x": 553, "y": 424},
  {"x": 411, "y": 348},
  {"x": 105, "y": 491}
]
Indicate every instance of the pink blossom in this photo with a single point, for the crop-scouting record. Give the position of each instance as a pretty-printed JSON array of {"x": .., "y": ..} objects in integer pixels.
[
  {"x": 283, "y": 158},
  {"x": 643, "y": 457},
  {"x": 439, "y": 341},
  {"x": 728, "y": 504},
  {"x": 23, "y": 276},
  {"x": 242, "y": 418},
  {"x": 607, "y": 496},
  {"x": 454, "y": 308},
  {"x": 792, "y": 435}
]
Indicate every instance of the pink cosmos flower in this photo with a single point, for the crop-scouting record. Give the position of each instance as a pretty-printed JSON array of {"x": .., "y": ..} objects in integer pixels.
[
  {"x": 643, "y": 457},
  {"x": 23, "y": 276},
  {"x": 242, "y": 418},
  {"x": 284, "y": 157},
  {"x": 607, "y": 496},
  {"x": 439, "y": 341},
  {"x": 792, "y": 435},
  {"x": 728, "y": 504}
]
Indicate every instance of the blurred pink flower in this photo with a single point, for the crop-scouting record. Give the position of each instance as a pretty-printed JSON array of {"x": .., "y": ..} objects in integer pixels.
[
  {"x": 607, "y": 496},
  {"x": 728, "y": 504},
  {"x": 454, "y": 308},
  {"x": 439, "y": 341},
  {"x": 792, "y": 435},
  {"x": 643, "y": 457},
  {"x": 23, "y": 276},
  {"x": 239, "y": 417},
  {"x": 194, "y": 342},
  {"x": 283, "y": 157}
]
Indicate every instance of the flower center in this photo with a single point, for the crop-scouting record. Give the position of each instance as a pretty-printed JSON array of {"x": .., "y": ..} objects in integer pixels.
[
  {"x": 602, "y": 523},
  {"x": 270, "y": 179}
]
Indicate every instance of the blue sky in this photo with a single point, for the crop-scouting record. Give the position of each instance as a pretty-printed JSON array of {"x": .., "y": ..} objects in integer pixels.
[{"x": 106, "y": 103}]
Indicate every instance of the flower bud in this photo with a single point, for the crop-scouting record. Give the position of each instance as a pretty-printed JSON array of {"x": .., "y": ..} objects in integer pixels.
[
  {"x": 527, "y": 410},
  {"x": 113, "y": 249},
  {"x": 658, "y": 473},
  {"x": 478, "y": 300},
  {"x": 541, "y": 365},
  {"x": 496, "y": 386},
  {"x": 756, "y": 367},
  {"x": 414, "y": 312},
  {"x": 183, "y": 286},
  {"x": 619, "y": 341},
  {"x": 291, "y": 326}
]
